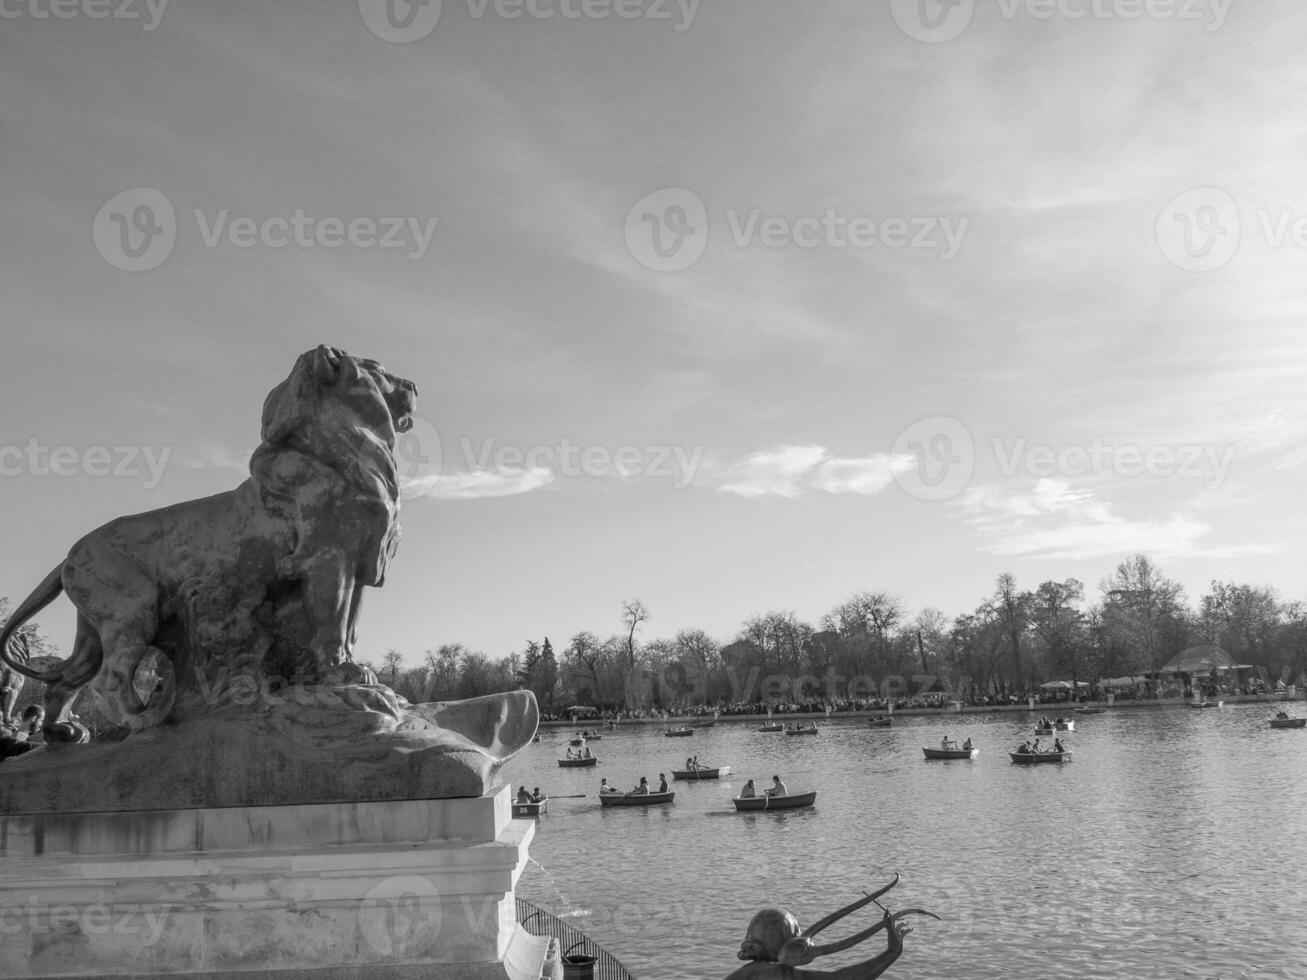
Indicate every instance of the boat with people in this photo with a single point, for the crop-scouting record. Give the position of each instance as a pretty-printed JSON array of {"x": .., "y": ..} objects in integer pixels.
[
  {"x": 678, "y": 732},
  {"x": 704, "y": 722},
  {"x": 1048, "y": 726},
  {"x": 802, "y": 730},
  {"x": 880, "y": 721},
  {"x": 636, "y": 799},
  {"x": 790, "y": 801},
  {"x": 701, "y": 772},
  {"x": 590, "y": 736},
  {"x": 772, "y": 726},
  {"x": 1282, "y": 720},
  {"x": 1035, "y": 758},
  {"x": 532, "y": 809},
  {"x": 576, "y": 762},
  {"x": 954, "y": 753}
]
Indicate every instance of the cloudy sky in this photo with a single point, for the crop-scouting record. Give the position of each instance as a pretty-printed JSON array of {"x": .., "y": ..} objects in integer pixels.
[{"x": 730, "y": 306}]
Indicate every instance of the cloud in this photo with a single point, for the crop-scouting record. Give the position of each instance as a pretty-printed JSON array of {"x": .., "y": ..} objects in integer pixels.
[
  {"x": 791, "y": 471},
  {"x": 1053, "y": 520},
  {"x": 478, "y": 483}
]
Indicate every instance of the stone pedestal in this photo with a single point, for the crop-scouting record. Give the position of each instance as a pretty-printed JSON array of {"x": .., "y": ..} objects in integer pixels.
[{"x": 397, "y": 889}]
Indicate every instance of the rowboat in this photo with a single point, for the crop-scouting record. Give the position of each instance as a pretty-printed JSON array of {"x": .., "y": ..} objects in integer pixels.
[
  {"x": 573, "y": 763},
  {"x": 1205, "y": 704},
  {"x": 530, "y": 810},
  {"x": 774, "y": 802},
  {"x": 811, "y": 730},
  {"x": 772, "y": 727},
  {"x": 950, "y": 753},
  {"x": 590, "y": 736},
  {"x": 1058, "y": 726},
  {"x": 1033, "y": 758},
  {"x": 678, "y": 732},
  {"x": 704, "y": 722},
  {"x": 880, "y": 721},
  {"x": 636, "y": 799},
  {"x": 1090, "y": 711},
  {"x": 1288, "y": 722},
  {"x": 703, "y": 772}
]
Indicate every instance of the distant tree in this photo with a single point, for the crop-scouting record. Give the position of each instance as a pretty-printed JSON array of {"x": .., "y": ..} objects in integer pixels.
[
  {"x": 1144, "y": 612},
  {"x": 390, "y": 663}
]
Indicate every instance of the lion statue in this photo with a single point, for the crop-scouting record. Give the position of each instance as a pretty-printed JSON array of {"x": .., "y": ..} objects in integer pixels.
[{"x": 270, "y": 573}]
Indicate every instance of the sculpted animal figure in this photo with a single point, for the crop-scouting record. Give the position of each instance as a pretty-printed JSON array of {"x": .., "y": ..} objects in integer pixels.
[
  {"x": 192, "y": 583},
  {"x": 776, "y": 948}
]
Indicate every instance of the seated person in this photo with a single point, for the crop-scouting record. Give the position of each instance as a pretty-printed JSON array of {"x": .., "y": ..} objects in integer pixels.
[
  {"x": 1282, "y": 714},
  {"x": 587, "y": 754},
  {"x": 967, "y": 744},
  {"x": 1024, "y": 747},
  {"x": 662, "y": 783},
  {"x": 749, "y": 791},
  {"x": 535, "y": 795},
  {"x": 1057, "y": 745},
  {"x": 1036, "y": 747},
  {"x": 569, "y": 754},
  {"x": 642, "y": 788},
  {"x": 17, "y": 740},
  {"x": 605, "y": 788},
  {"x": 777, "y": 788},
  {"x": 522, "y": 795}
]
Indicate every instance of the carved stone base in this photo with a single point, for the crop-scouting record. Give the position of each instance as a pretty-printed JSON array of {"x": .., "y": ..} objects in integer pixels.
[{"x": 416, "y": 888}]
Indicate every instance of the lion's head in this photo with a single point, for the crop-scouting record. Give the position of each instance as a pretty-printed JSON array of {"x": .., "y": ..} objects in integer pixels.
[{"x": 343, "y": 411}]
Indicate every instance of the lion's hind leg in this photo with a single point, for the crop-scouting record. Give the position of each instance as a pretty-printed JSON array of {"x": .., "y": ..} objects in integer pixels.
[{"x": 77, "y": 671}]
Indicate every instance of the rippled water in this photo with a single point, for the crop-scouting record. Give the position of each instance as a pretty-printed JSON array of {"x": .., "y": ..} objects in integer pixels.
[{"x": 1174, "y": 846}]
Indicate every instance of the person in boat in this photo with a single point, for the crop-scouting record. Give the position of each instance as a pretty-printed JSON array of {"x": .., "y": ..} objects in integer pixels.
[
  {"x": 777, "y": 788},
  {"x": 522, "y": 795},
  {"x": 605, "y": 788},
  {"x": 1282, "y": 715},
  {"x": 569, "y": 754},
  {"x": 689, "y": 763},
  {"x": 1024, "y": 748},
  {"x": 662, "y": 783},
  {"x": 536, "y": 796},
  {"x": 967, "y": 744},
  {"x": 642, "y": 788},
  {"x": 948, "y": 744},
  {"x": 586, "y": 753},
  {"x": 1036, "y": 747},
  {"x": 749, "y": 791},
  {"x": 1057, "y": 745}
]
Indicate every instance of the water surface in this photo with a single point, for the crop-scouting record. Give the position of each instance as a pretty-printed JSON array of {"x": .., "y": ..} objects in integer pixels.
[{"x": 1173, "y": 846}]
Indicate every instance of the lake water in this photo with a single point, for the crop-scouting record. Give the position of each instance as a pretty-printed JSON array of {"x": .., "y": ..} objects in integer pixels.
[{"x": 1173, "y": 846}]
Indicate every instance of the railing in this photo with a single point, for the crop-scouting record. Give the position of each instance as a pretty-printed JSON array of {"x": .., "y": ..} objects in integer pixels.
[{"x": 571, "y": 940}]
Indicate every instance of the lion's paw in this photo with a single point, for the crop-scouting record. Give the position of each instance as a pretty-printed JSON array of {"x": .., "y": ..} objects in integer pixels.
[{"x": 348, "y": 673}]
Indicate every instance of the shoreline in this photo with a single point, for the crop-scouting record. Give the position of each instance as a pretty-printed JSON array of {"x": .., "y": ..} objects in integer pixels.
[{"x": 953, "y": 709}]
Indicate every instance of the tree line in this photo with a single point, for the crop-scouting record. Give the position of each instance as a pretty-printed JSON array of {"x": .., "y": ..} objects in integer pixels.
[{"x": 871, "y": 646}]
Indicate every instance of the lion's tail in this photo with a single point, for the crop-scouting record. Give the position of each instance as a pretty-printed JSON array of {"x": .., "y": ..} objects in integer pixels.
[{"x": 44, "y": 594}]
